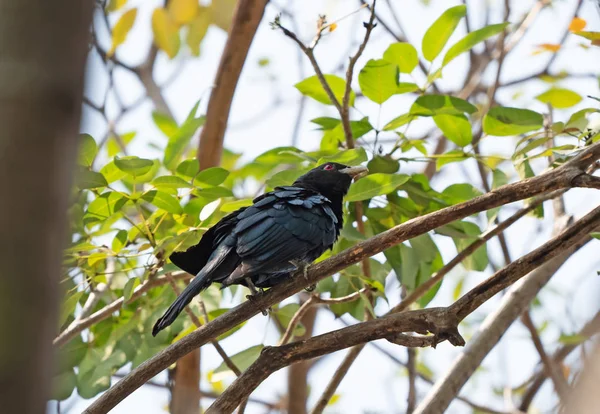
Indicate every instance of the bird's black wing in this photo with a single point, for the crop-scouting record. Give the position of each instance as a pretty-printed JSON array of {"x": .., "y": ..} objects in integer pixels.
[
  {"x": 194, "y": 259},
  {"x": 287, "y": 224}
]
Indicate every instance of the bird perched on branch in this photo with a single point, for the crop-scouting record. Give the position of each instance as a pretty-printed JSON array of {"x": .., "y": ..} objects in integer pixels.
[{"x": 259, "y": 246}]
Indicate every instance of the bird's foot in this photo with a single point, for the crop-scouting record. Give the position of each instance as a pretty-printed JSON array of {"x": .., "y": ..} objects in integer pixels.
[
  {"x": 301, "y": 266},
  {"x": 310, "y": 288},
  {"x": 254, "y": 294}
]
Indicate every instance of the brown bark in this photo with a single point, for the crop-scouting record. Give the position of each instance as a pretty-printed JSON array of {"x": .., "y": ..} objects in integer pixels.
[
  {"x": 43, "y": 46},
  {"x": 247, "y": 16},
  {"x": 185, "y": 392},
  {"x": 298, "y": 373}
]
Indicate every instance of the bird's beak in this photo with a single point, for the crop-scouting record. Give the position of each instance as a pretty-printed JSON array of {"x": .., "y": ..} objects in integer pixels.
[{"x": 355, "y": 172}]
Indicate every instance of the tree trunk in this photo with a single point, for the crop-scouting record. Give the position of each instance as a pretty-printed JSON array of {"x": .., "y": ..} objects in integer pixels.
[
  {"x": 43, "y": 46},
  {"x": 185, "y": 392},
  {"x": 298, "y": 373}
]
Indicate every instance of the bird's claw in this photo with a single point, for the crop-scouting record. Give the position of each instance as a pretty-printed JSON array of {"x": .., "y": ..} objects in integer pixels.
[{"x": 310, "y": 288}]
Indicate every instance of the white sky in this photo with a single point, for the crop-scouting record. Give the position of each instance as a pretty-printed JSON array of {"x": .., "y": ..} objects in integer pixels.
[{"x": 373, "y": 384}]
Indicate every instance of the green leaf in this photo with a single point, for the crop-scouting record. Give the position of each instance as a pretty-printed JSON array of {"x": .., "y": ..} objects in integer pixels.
[
  {"x": 504, "y": 121},
  {"x": 383, "y": 164},
  {"x": 559, "y": 98},
  {"x": 69, "y": 305},
  {"x": 129, "y": 288},
  {"x": 595, "y": 235},
  {"x": 399, "y": 121},
  {"x": 326, "y": 122},
  {"x": 456, "y": 128},
  {"x": 235, "y": 205},
  {"x": 165, "y": 123},
  {"x": 439, "y": 32},
  {"x": 466, "y": 43},
  {"x": 456, "y": 155},
  {"x": 430, "y": 105},
  {"x": 163, "y": 201},
  {"x": 285, "y": 177},
  {"x": 242, "y": 360},
  {"x": 378, "y": 80},
  {"x": 87, "y": 150},
  {"x": 409, "y": 266},
  {"x": 312, "y": 88},
  {"x": 350, "y": 157},
  {"x": 336, "y": 135},
  {"x": 464, "y": 233},
  {"x": 105, "y": 205},
  {"x": 188, "y": 168},
  {"x": 170, "y": 181},
  {"x": 402, "y": 54},
  {"x": 374, "y": 185},
  {"x": 111, "y": 173},
  {"x": 90, "y": 179},
  {"x": 211, "y": 177},
  {"x": 63, "y": 385},
  {"x": 180, "y": 140},
  {"x": 133, "y": 165},
  {"x": 458, "y": 193},
  {"x": 96, "y": 370},
  {"x": 119, "y": 241},
  {"x": 285, "y": 315},
  {"x": 406, "y": 87},
  {"x": 574, "y": 339}
]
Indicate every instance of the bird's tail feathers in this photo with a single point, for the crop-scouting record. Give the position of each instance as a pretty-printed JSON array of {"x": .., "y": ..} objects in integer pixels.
[{"x": 198, "y": 284}]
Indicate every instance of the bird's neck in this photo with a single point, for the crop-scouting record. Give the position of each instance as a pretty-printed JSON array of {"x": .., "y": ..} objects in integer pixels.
[{"x": 335, "y": 197}]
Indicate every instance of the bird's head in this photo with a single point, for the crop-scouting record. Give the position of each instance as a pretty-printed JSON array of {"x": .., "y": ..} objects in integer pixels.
[{"x": 331, "y": 179}]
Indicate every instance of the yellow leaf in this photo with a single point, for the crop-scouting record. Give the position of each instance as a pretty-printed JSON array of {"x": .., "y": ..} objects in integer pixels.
[
  {"x": 546, "y": 47},
  {"x": 166, "y": 33},
  {"x": 334, "y": 398},
  {"x": 121, "y": 29},
  {"x": 577, "y": 25},
  {"x": 183, "y": 11},
  {"x": 197, "y": 30},
  {"x": 222, "y": 13},
  {"x": 114, "y": 5},
  {"x": 332, "y": 27}
]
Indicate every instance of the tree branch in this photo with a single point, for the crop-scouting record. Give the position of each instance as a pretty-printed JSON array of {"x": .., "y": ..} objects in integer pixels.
[
  {"x": 560, "y": 385},
  {"x": 561, "y": 177},
  {"x": 590, "y": 328},
  {"x": 494, "y": 326},
  {"x": 247, "y": 16},
  {"x": 441, "y": 322}
]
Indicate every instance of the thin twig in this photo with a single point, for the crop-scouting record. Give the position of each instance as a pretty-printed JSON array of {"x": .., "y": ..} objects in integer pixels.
[
  {"x": 411, "y": 367},
  {"x": 560, "y": 385},
  {"x": 336, "y": 379},
  {"x": 314, "y": 300}
]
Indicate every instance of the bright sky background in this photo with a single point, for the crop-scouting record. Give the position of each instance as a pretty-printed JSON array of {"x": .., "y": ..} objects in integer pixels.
[{"x": 263, "y": 116}]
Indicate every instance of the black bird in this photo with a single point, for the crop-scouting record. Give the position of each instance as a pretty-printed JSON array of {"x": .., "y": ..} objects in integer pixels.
[{"x": 259, "y": 246}]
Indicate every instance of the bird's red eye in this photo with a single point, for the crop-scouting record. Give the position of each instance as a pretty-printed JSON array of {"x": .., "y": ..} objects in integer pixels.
[{"x": 328, "y": 167}]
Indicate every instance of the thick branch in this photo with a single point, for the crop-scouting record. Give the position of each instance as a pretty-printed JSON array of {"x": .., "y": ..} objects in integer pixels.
[
  {"x": 247, "y": 16},
  {"x": 442, "y": 322},
  {"x": 561, "y": 177},
  {"x": 494, "y": 326}
]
